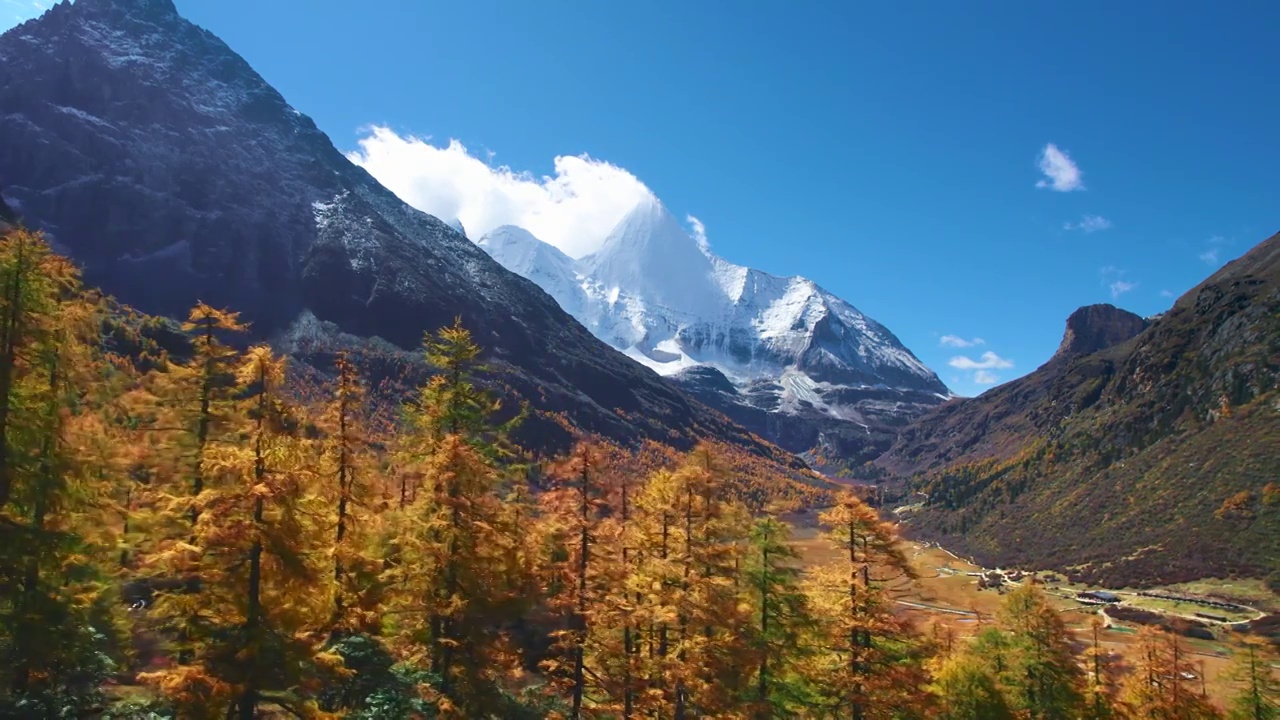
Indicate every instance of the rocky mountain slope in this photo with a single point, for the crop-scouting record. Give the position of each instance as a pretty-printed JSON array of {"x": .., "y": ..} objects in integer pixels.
[
  {"x": 1141, "y": 453},
  {"x": 157, "y": 157},
  {"x": 782, "y": 356}
]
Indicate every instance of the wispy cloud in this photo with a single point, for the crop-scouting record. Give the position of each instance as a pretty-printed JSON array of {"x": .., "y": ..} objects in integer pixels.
[
  {"x": 955, "y": 341},
  {"x": 988, "y": 361},
  {"x": 1089, "y": 224},
  {"x": 1060, "y": 171},
  {"x": 1120, "y": 287},
  {"x": 699, "y": 231},
  {"x": 1166, "y": 293},
  {"x": 1213, "y": 255},
  {"x": 982, "y": 367},
  {"x": 1113, "y": 278},
  {"x": 574, "y": 209},
  {"x": 984, "y": 377}
]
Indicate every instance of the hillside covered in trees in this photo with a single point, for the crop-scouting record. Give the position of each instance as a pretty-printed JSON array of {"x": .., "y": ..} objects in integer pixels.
[
  {"x": 1148, "y": 461},
  {"x": 236, "y": 545}
]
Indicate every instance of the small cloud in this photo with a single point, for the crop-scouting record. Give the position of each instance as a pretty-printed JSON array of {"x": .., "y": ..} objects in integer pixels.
[
  {"x": 1212, "y": 256},
  {"x": 955, "y": 341},
  {"x": 1120, "y": 287},
  {"x": 1166, "y": 293},
  {"x": 699, "y": 231},
  {"x": 1060, "y": 172},
  {"x": 1113, "y": 278},
  {"x": 982, "y": 367},
  {"x": 1089, "y": 224},
  {"x": 988, "y": 361}
]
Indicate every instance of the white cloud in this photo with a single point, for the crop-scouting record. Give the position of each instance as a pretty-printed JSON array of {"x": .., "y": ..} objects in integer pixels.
[
  {"x": 574, "y": 209},
  {"x": 1213, "y": 255},
  {"x": 1061, "y": 173},
  {"x": 1120, "y": 287},
  {"x": 699, "y": 232},
  {"x": 955, "y": 341},
  {"x": 1089, "y": 224},
  {"x": 988, "y": 361},
  {"x": 1166, "y": 293},
  {"x": 1113, "y": 278},
  {"x": 982, "y": 367}
]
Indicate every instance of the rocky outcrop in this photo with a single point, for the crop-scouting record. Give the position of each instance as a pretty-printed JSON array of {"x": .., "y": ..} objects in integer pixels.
[{"x": 1098, "y": 327}]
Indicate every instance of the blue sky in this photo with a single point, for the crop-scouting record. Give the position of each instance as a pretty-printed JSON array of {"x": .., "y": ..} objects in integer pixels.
[{"x": 890, "y": 151}]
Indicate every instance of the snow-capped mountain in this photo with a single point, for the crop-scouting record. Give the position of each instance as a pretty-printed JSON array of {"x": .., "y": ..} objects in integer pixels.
[
  {"x": 749, "y": 343},
  {"x": 153, "y": 154}
]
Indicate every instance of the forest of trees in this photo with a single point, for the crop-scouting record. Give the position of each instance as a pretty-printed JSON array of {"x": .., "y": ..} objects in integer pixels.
[{"x": 192, "y": 536}]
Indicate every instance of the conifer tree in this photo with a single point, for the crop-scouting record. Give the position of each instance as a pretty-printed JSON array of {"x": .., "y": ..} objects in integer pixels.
[
  {"x": 1100, "y": 669},
  {"x": 32, "y": 282},
  {"x": 1256, "y": 693},
  {"x": 54, "y": 545},
  {"x": 254, "y": 627},
  {"x": 452, "y": 580},
  {"x": 1157, "y": 686},
  {"x": 967, "y": 690},
  {"x": 347, "y": 465},
  {"x": 207, "y": 371},
  {"x": 1042, "y": 678},
  {"x": 573, "y": 509},
  {"x": 869, "y": 671},
  {"x": 782, "y": 621}
]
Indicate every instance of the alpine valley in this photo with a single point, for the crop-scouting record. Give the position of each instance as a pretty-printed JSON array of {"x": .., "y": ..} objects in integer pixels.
[
  {"x": 276, "y": 443},
  {"x": 157, "y": 158}
]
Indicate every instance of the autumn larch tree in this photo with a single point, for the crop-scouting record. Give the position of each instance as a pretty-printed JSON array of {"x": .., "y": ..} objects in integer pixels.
[
  {"x": 55, "y": 542},
  {"x": 258, "y": 622},
  {"x": 1157, "y": 686},
  {"x": 1043, "y": 678},
  {"x": 451, "y": 586},
  {"x": 870, "y": 671}
]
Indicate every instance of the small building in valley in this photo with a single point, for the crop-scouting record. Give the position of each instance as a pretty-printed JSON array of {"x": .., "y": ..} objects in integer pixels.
[{"x": 1101, "y": 596}]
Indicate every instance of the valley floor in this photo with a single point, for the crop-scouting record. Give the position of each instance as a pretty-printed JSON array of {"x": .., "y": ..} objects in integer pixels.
[{"x": 947, "y": 594}]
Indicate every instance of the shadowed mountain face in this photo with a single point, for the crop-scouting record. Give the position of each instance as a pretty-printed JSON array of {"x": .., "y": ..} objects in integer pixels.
[
  {"x": 157, "y": 157},
  {"x": 1139, "y": 454}
]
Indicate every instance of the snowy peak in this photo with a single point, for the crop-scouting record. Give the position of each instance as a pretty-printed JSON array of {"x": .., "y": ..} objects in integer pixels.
[
  {"x": 519, "y": 251},
  {"x": 651, "y": 257},
  {"x": 782, "y": 356}
]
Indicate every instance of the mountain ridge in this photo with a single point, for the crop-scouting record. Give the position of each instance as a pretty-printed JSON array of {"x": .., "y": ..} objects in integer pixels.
[
  {"x": 783, "y": 345},
  {"x": 153, "y": 154},
  {"x": 1122, "y": 465}
]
